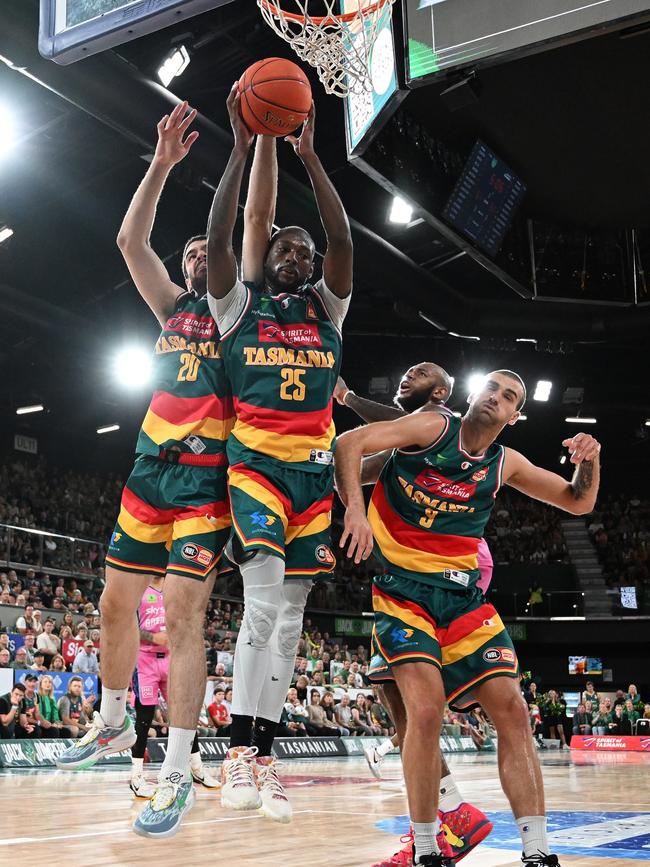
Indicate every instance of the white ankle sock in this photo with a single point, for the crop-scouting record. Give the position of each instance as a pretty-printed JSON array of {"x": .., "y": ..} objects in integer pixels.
[
  {"x": 425, "y": 838},
  {"x": 113, "y": 706},
  {"x": 385, "y": 748},
  {"x": 450, "y": 797},
  {"x": 137, "y": 767},
  {"x": 177, "y": 758},
  {"x": 533, "y": 834}
]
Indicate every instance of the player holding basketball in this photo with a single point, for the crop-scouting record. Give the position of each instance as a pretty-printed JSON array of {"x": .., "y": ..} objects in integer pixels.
[
  {"x": 423, "y": 387},
  {"x": 281, "y": 343},
  {"x": 174, "y": 518},
  {"x": 434, "y": 633},
  {"x": 150, "y": 680}
]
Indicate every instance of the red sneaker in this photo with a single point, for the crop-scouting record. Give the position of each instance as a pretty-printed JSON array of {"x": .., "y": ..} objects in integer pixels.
[
  {"x": 403, "y": 858},
  {"x": 464, "y": 828}
]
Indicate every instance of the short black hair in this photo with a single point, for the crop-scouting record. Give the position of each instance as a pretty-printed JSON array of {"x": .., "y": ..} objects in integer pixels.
[
  {"x": 283, "y": 231},
  {"x": 518, "y": 379},
  {"x": 75, "y": 679},
  {"x": 18, "y": 686},
  {"x": 187, "y": 244}
]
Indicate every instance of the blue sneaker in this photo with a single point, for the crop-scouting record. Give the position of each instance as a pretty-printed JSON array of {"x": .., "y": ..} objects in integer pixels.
[
  {"x": 162, "y": 816},
  {"x": 100, "y": 740}
]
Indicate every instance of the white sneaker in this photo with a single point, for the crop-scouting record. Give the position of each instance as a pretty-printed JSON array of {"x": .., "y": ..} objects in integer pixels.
[
  {"x": 275, "y": 804},
  {"x": 141, "y": 787},
  {"x": 203, "y": 777},
  {"x": 374, "y": 761},
  {"x": 238, "y": 787}
]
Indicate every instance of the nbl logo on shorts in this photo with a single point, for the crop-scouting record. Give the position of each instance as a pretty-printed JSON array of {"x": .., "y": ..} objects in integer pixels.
[{"x": 499, "y": 654}]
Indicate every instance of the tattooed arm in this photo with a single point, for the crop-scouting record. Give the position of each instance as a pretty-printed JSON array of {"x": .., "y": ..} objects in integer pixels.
[{"x": 577, "y": 496}]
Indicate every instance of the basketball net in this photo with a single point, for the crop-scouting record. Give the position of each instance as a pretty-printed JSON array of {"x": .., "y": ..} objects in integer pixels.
[{"x": 338, "y": 45}]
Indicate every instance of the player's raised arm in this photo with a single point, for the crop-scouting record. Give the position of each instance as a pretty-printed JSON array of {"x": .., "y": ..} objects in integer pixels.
[
  {"x": 337, "y": 264},
  {"x": 222, "y": 265},
  {"x": 368, "y": 410},
  {"x": 577, "y": 496},
  {"x": 259, "y": 211},
  {"x": 420, "y": 429},
  {"x": 146, "y": 268}
]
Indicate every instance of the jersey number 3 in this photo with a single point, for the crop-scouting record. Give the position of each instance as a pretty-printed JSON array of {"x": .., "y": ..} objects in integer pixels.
[
  {"x": 189, "y": 367},
  {"x": 292, "y": 388}
]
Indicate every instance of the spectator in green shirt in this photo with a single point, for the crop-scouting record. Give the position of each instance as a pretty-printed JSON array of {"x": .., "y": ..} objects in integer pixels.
[
  {"x": 601, "y": 719},
  {"x": 50, "y": 718},
  {"x": 633, "y": 695},
  {"x": 630, "y": 713}
]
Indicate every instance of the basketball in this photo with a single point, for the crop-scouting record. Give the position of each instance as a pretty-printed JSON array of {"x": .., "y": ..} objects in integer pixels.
[{"x": 275, "y": 96}]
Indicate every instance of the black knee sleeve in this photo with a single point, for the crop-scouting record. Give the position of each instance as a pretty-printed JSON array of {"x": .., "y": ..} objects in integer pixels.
[{"x": 144, "y": 714}]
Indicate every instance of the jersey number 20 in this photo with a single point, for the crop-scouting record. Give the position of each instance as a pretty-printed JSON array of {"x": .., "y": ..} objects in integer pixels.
[{"x": 292, "y": 379}]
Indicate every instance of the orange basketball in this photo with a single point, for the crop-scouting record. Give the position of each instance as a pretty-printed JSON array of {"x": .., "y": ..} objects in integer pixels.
[{"x": 275, "y": 96}]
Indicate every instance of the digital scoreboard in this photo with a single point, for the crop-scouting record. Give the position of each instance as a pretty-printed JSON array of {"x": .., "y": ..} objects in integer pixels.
[{"x": 446, "y": 34}]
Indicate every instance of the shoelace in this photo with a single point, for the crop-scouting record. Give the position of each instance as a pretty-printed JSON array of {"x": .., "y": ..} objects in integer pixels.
[
  {"x": 541, "y": 859},
  {"x": 240, "y": 770},
  {"x": 398, "y": 858},
  {"x": 164, "y": 796},
  {"x": 269, "y": 778},
  {"x": 93, "y": 732}
]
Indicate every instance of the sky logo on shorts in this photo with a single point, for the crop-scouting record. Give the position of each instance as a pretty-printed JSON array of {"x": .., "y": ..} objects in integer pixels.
[
  {"x": 401, "y": 636},
  {"x": 260, "y": 520}
]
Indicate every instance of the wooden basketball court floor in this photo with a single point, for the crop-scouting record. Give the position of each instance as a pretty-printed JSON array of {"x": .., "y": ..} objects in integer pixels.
[{"x": 599, "y": 809}]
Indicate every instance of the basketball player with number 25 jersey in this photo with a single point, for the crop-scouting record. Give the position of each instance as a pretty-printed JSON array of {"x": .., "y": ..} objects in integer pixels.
[
  {"x": 435, "y": 634},
  {"x": 281, "y": 345}
]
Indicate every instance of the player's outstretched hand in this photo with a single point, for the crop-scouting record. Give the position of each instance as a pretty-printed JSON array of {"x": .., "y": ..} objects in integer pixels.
[
  {"x": 172, "y": 147},
  {"x": 358, "y": 535},
  {"x": 304, "y": 145},
  {"x": 582, "y": 447},
  {"x": 243, "y": 136},
  {"x": 340, "y": 390}
]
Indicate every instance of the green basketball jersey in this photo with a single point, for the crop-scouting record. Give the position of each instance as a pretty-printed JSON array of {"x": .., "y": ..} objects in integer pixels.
[
  {"x": 191, "y": 408},
  {"x": 282, "y": 357},
  {"x": 429, "y": 509}
]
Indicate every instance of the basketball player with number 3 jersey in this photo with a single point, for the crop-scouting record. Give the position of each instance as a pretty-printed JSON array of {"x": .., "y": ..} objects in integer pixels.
[{"x": 281, "y": 345}]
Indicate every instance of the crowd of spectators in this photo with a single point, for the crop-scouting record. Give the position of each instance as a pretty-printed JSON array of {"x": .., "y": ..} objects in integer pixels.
[
  {"x": 620, "y": 713},
  {"x": 620, "y": 532},
  {"x": 522, "y": 530}
]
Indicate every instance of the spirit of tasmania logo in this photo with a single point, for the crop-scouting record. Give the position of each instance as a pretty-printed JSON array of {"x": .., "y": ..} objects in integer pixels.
[
  {"x": 432, "y": 481},
  {"x": 191, "y": 325},
  {"x": 300, "y": 334}
]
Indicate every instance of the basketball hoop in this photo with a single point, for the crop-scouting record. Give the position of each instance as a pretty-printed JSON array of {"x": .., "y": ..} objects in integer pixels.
[{"x": 338, "y": 46}]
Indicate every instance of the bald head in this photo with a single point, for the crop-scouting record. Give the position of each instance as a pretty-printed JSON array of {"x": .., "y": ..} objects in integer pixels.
[{"x": 423, "y": 383}]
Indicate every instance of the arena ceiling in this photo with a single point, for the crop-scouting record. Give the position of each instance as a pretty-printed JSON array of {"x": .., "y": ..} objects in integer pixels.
[{"x": 573, "y": 122}]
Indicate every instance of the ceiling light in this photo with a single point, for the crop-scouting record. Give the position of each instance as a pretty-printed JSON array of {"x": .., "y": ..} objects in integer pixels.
[
  {"x": 133, "y": 367},
  {"x": 525, "y": 340},
  {"x": 109, "y": 428},
  {"x": 7, "y": 131},
  {"x": 543, "y": 390},
  {"x": 475, "y": 381},
  {"x": 463, "y": 336},
  {"x": 5, "y": 232},
  {"x": 174, "y": 65},
  {"x": 401, "y": 211},
  {"x": 36, "y": 407},
  {"x": 563, "y": 459},
  {"x": 585, "y": 419},
  {"x": 522, "y": 417},
  {"x": 647, "y": 422}
]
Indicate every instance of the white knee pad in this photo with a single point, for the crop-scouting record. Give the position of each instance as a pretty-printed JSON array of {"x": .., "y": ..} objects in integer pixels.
[
  {"x": 262, "y": 576},
  {"x": 290, "y": 625}
]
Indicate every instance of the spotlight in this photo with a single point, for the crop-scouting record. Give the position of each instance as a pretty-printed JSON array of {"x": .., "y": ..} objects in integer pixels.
[
  {"x": 36, "y": 407},
  {"x": 576, "y": 419},
  {"x": 475, "y": 381},
  {"x": 7, "y": 132},
  {"x": 5, "y": 232},
  {"x": 563, "y": 459},
  {"x": 133, "y": 367},
  {"x": 522, "y": 417},
  {"x": 174, "y": 64},
  {"x": 401, "y": 211},
  {"x": 543, "y": 390},
  {"x": 109, "y": 428},
  {"x": 647, "y": 422}
]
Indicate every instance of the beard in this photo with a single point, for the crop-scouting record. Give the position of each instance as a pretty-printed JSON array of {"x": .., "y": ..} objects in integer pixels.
[
  {"x": 278, "y": 284},
  {"x": 199, "y": 284},
  {"x": 410, "y": 402}
]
